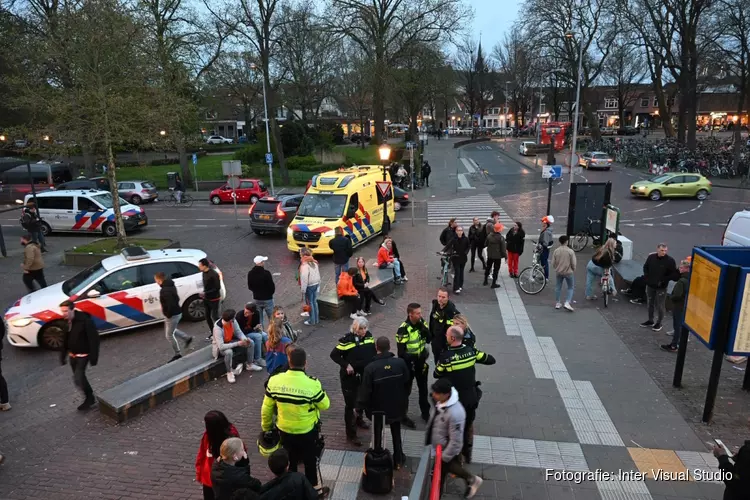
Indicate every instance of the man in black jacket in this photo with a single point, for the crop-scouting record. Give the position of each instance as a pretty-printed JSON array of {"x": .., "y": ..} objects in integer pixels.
[
  {"x": 441, "y": 318},
  {"x": 738, "y": 486},
  {"x": 658, "y": 271},
  {"x": 211, "y": 294},
  {"x": 81, "y": 346},
  {"x": 448, "y": 232},
  {"x": 342, "y": 252},
  {"x": 32, "y": 222},
  {"x": 352, "y": 353},
  {"x": 286, "y": 485},
  {"x": 260, "y": 282},
  {"x": 477, "y": 235},
  {"x": 227, "y": 476},
  {"x": 385, "y": 387},
  {"x": 412, "y": 337},
  {"x": 170, "y": 308}
]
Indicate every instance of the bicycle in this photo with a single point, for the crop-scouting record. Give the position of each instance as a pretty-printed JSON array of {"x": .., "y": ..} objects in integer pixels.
[
  {"x": 531, "y": 280},
  {"x": 445, "y": 268},
  {"x": 185, "y": 200},
  {"x": 480, "y": 174},
  {"x": 606, "y": 286},
  {"x": 581, "y": 240}
]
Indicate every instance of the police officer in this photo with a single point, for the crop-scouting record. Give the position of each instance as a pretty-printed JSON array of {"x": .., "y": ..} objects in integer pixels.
[
  {"x": 411, "y": 340},
  {"x": 457, "y": 364},
  {"x": 441, "y": 318},
  {"x": 298, "y": 399},
  {"x": 353, "y": 352}
]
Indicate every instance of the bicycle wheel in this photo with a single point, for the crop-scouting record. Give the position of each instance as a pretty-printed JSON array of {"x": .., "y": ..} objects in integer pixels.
[
  {"x": 170, "y": 201},
  {"x": 531, "y": 280},
  {"x": 579, "y": 241},
  {"x": 605, "y": 295},
  {"x": 444, "y": 277},
  {"x": 187, "y": 200}
]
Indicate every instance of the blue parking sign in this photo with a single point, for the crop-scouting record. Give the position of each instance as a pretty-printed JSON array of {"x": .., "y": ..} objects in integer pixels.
[
  {"x": 195, "y": 159},
  {"x": 269, "y": 158}
]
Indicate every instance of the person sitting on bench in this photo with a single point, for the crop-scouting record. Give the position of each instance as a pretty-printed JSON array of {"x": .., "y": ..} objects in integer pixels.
[
  {"x": 348, "y": 293},
  {"x": 637, "y": 290}
]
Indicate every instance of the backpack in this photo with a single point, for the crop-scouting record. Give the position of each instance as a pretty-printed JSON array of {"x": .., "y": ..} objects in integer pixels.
[{"x": 25, "y": 219}]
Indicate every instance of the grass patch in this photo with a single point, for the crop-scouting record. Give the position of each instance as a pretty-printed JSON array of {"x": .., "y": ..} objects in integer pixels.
[
  {"x": 109, "y": 245},
  {"x": 208, "y": 169}
]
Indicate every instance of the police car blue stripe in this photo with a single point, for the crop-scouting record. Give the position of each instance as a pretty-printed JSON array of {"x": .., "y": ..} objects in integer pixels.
[{"x": 130, "y": 313}]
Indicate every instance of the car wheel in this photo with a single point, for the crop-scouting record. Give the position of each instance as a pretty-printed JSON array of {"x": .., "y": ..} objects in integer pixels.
[
  {"x": 258, "y": 232},
  {"x": 52, "y": 335},
  {"x": 46, "y": 230},
  {"x": 109, "y": 229},
  {"x": 216, "y": 200},
  {"x": 135, "y": 200},
  {"x": 702, "y": 194},
  {"x": 396, "y": 206},
  {"x": 655, "y": 195},
  {"x": 193, "y": 309},
  {"x": 253, "y": 199}
]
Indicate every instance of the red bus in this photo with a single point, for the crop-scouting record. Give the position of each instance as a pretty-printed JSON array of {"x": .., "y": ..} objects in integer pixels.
[{"x": 556, "y": 129}]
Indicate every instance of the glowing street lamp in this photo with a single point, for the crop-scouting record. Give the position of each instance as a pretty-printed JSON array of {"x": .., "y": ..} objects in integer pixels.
[{"x": 162, "y": 133}]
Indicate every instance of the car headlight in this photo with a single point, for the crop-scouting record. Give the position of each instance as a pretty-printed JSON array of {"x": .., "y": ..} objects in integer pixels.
[
  {"x": 641, "y": 188},
  {"x": 289, "y": 230},
  {"x": 125, "y": 217},
  {"x": 21, "y": 322},
  {"x": 329, "y": 234}
]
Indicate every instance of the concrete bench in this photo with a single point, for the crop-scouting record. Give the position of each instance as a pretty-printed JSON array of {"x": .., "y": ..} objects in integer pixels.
[
  {"x": 628, "y": 270},
  {"x": 164, "y": 383},
  {"x": 381, "y": 282}
]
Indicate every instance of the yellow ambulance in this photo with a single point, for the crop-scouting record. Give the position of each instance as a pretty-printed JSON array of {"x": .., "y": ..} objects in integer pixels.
[{"x": 348, "y": 198}]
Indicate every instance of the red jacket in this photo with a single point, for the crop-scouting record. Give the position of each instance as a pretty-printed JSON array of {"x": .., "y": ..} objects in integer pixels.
[
  {"x": 383, "y": 256},
  {"x": 205, "y": 460}
]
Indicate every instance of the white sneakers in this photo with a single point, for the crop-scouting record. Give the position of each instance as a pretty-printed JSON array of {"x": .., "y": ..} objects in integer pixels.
[
  {"x": 568, "y": 307},
  {"x": 474, "y": 487},
  {"x": 558, "y": 305},
  {"x": 260, "y": 362},
  {"x": 4, "y": 406},
  {"x": 253, "y": 367},
  {"x": 230, "y": 377},
  {"x": 233, "y": 373}
]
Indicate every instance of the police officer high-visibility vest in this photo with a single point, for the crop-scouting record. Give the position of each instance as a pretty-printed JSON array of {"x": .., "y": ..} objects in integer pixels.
[
  {"x": 458, "y": 364},
  {"x": 299, "y": 399},
  {"x": 412, "y": 338}
]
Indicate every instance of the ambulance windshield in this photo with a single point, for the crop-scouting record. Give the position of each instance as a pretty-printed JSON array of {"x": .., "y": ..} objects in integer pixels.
[{"x": 328, "y": 206}]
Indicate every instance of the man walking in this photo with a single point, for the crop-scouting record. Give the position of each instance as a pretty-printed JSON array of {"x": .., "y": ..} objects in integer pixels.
[
  {"x": 426, "y": 171},
  {"x": 678, "y": 297},
  {"x": 81, "y": 347},
  {"x": 342, "y": 251},
  {"x": 411, "y": 344},
  {"x": 441, "y": 318},
  {"x": 33, "y": 265},
  {"x": 658, "y": 271},
  {"x": 211, "y": 294},
  {"x": 260, "y": 282},
  {"x": 385, "y": 387},
  {"x": 496, "y": 252},
  {"x": 32, "y": 222},
  {"x": 477, "y": 237},
  {"x": 564, "y": 263},
  {"x": 170, "y": 308},
  {"x": 298, "y": 399},
  {"x": 352, "y": 353},
  {"x": 446, "y": 428},
  {"x": 457, "y": 364}
]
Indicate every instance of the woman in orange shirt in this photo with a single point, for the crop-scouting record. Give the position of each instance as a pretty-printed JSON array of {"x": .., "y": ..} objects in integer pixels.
[{"x": 348, "y": 293}]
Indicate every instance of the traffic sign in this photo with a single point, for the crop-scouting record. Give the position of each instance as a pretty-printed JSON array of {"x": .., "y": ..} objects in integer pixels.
[
  {"x": 411, "y": 145},
  {"x": 195, "y": 159},
  {"x": 234, "y": 182},
  {"x": 269, "y": 158},
  {"x": 551, "y": 171},
  {"x": 383, "y": 187}
]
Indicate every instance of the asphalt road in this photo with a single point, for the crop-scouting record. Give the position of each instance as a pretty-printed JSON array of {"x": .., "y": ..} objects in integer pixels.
[{"x": 681, "y": 223}]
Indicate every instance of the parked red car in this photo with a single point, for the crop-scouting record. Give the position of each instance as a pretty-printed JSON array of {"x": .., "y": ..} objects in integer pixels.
[{"x": 249, "y": 191}]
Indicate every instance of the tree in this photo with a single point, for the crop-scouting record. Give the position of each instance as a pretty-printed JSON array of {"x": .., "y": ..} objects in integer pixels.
[
  {"x": 233, "y": 72},
  {"x": 465, "y": 65},
  {"x": 414, "y": 81},
  {"x": 624, "y": 71},
  {"x": 386, "y": 29},
  {"x": 518, "y": 66},
  {"x": 353, "y": 89},
  {"x": 307, "y": 56}
]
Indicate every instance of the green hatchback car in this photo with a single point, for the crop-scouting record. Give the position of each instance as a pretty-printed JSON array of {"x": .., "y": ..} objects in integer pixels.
[{"x": 673, "y": 185}]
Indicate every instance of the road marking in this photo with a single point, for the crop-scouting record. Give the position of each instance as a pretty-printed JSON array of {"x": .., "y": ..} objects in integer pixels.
[
  {"x": 468, "y": 166},
  {"x": 662, "y": 203},
  {"x": 164, "y": 220},
  {"x": 464, "y": 210},
  {"x": 205, "y": 219},
  {"x": 666, "y": 223},
  {"x": 639, "y": 210},
  {"x": 668, "y": 215},
  {"x": 704, "y": 224}
]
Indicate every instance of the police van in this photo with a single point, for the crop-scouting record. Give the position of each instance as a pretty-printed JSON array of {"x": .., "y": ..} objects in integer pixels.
[
  {"x": 76, "y": 210},
  {"x": 348, "y": 198}
]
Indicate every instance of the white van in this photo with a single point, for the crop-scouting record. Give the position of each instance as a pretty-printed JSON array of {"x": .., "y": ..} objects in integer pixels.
[{"x": 737, "y": 232}]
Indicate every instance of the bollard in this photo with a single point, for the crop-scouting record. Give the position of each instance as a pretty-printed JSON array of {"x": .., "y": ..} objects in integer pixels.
[{"x": 2, "y": 243}]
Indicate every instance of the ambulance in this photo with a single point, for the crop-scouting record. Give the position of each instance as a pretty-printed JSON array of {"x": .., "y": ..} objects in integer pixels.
[{"x": 349, "y": 198}]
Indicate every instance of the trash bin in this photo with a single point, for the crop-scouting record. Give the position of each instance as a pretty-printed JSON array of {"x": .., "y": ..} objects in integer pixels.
[{"x": 172, "y": 179}]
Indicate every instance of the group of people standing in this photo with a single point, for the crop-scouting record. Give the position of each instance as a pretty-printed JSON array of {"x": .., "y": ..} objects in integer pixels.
[{"x": 485, "y": 241}]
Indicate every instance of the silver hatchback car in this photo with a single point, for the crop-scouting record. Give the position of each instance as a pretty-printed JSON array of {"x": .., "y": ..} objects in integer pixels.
[{"x": 137, "y": 192}]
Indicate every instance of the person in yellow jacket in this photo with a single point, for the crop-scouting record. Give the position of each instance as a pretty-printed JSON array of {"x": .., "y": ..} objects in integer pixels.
[{"x": 298, "y": 398}]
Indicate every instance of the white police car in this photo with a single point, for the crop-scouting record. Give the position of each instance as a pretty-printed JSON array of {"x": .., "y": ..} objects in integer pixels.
[
  {"x": 119, "y": 293},
  {"x": 85, "y": 210}
]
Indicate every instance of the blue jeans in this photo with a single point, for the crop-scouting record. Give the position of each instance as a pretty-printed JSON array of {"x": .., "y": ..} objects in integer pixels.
[
  {"x": 593, "y": 273},
  {"x": 544, "y": 260},
  {"x": 570, "y": 281},
  {"x": 38, "y": 237},
  {"x": 258, "y": 339},
  {"x": 340, "y": 268},
  {"x": 677, "y": 312},
  {"x": 265, "y": 305},
  {"x": 396, "y": 266},
  {"x": 311, "y": 295}
]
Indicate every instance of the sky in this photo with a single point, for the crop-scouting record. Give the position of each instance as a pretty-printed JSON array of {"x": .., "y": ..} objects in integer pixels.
[{"x": 493, "y": 18}]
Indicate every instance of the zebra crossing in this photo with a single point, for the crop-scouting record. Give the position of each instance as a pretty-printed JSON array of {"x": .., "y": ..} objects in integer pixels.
[
  {"x": 484, "y": 147},
  {"x": 464, "y": 210}
]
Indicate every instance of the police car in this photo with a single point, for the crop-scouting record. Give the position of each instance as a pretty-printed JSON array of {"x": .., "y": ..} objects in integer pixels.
[
  {"x": 85, "y": 210},
  {"x": 119, "y": 293}
]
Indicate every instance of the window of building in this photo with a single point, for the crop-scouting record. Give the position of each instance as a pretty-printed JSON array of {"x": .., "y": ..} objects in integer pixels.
[
  {"x": 610, "y": 103},
  {"x": 656, "y": 102},
  {"x": 644, "y": 102},
  {"x": 543, "y": 109}
]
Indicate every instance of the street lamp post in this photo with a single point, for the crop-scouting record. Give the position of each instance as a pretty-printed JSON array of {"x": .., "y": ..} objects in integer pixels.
[
  {"x": 254, "y": 67},
  {"x": 385, "y": 153},
  {"x": 578, "y": 103},
  {"x": 505, "y": 115}
]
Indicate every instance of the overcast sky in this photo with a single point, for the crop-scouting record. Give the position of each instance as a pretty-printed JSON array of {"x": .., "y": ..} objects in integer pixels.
[{"x": 493, "y": 18}]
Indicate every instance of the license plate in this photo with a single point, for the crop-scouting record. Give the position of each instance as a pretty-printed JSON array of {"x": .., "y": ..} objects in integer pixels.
[
  {"x": 264, "y": 217},
  {"x": 141, "y": 222}
]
